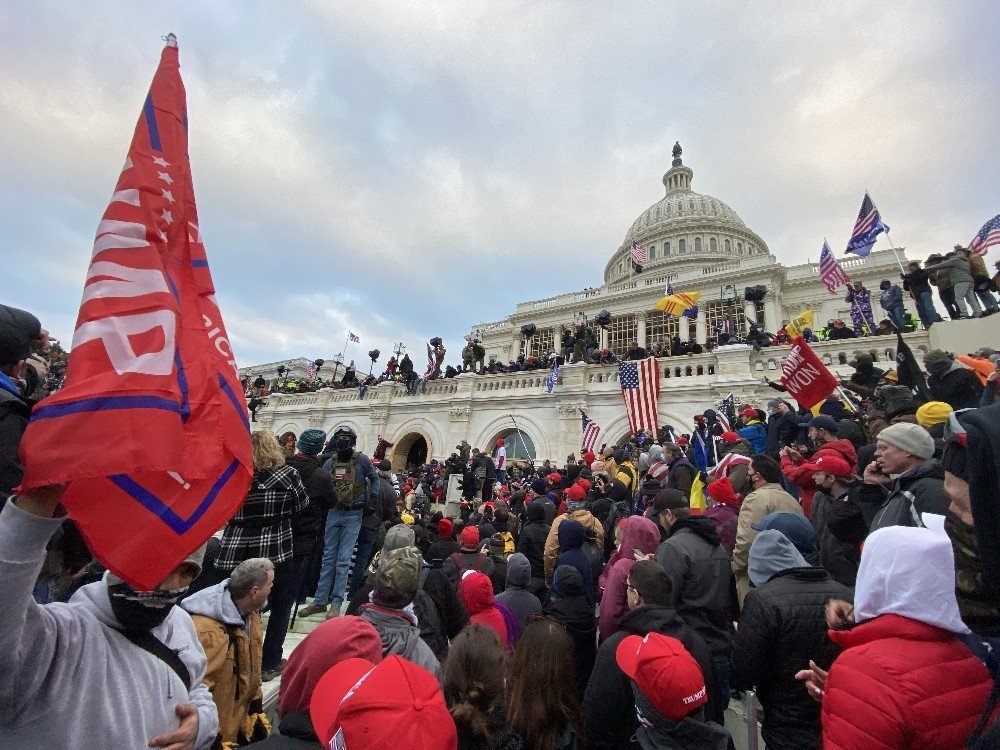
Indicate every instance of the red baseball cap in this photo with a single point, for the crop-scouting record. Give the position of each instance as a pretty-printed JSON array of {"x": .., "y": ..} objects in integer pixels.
[
  {"x": 555, "y": 477},
  {"x": 665, "y": 672},
  {"x": 730, "y": 437},
  {"x": 748, "y": 412},
  {"x": 576, "y": 493},
  {"x": 721, "y": 490},
  {"x": 585, "y": 483},
  {"x": 833, "y": 465},
  {"x": 360, "y": 706}
]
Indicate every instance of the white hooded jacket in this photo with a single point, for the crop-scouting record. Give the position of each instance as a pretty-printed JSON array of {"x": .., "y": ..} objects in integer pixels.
[{"x": 68, "y": 678}]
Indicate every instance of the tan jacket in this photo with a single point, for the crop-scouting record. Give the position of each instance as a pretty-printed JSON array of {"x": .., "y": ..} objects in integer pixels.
[
  {"x": 769, "y": 498},
  {"x": 232, "y": 688},
  {"x": 586, "y": 519}
]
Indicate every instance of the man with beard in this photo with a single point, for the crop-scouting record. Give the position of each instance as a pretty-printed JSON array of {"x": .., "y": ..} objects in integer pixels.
[
  {"x": 355, "y": 483},
  {"x": 115, "y": 666}
]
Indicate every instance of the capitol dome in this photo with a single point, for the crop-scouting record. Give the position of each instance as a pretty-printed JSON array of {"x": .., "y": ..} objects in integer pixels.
[{"x": 684, "y": 229}]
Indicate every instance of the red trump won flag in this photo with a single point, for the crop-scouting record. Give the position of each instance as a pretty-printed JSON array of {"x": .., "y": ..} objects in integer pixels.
[
  {"x": 807, "y": 379},
  {"x": 150, "y": 432}
]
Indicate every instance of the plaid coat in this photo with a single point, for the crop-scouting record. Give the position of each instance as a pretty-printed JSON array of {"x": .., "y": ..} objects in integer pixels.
[{"x": 262, "y": 527}]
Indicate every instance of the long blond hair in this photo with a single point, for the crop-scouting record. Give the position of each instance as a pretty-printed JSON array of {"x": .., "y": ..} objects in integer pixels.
[{"x": 267, "y": 453}]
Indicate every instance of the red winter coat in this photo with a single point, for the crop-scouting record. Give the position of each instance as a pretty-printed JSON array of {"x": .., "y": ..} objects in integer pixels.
[
  {"x": 902, "y": 684},
  {"x": 476, "y": 593},
  {"x": 803, "y": 478}
]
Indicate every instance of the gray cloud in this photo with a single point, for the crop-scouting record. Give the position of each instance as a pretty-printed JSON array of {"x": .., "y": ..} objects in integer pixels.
[{"x": 407, "y": 170}]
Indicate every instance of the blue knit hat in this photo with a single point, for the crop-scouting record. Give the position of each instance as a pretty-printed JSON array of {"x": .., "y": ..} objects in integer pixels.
[{"x": 311, "y": 442}]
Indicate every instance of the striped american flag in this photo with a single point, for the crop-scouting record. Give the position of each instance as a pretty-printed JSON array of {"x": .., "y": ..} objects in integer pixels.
[
  {"x": 590, "y": 432},
  {"x": 866, "y": 229},
  {"x": 353, "y": 338},
  {"x": 830, "y": 272},
  {"x": 726, "y": 463},
  {"x": 988, "y": 236},
  {"x": 640, "y": 383},
  {"x": 639, "y": 254}
]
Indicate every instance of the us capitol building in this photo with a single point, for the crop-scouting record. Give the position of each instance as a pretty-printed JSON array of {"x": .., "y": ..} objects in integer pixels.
[{"x": 694, "y": 241}]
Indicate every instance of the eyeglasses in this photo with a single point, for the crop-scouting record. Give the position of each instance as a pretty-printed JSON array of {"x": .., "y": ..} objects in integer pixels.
[{"x": 630, "y": 587}]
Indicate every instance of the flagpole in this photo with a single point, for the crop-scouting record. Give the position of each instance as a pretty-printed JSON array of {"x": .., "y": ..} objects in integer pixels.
[
  {"x": 518, "y": 429},
  {"x": 901, "y": 269}
]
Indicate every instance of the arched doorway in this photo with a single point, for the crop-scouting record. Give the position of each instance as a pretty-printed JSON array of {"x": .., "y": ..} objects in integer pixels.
[
  {"x": 409, "y": 451},
  {"x": 519, "y": 445}
]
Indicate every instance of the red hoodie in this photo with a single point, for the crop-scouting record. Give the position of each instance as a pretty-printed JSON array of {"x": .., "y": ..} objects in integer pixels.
[
  {"x": 476, "y": 593},
  {"x": 803, "y": 478}
]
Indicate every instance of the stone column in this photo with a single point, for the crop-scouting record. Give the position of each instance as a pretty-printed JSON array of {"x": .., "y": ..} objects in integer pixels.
[
  {"x": 604, "y": 338},
  {"x": 640, "y": 329},
  {"x": 772, "y": 317},
  {"x": 701, "y": 329},
  {"x": 750, "y": 311},
  {"x": 557, "y": 339},
  {"x": 684, "y": 327}
]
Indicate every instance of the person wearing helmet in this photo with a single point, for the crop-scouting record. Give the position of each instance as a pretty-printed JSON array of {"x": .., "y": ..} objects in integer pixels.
[{"x": 355, "y": 485}]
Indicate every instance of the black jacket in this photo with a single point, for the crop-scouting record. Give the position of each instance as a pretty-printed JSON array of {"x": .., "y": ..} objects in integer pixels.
[
  {"x": 14, "y": 413},
  {"x": 297, "y": 733},
  {"x": 781, "y": 429},
  {"x": 577, "y": 616},
  {"x": 308, "y": 526},
  {"x": 383, "y": 508},
  {"x": 959, "y": 387},
  {"x": 782, "y": 627},
  {"x": 608, "y": 707},
  {"x": 531, "y": 541},
  {"x": 839, "y": 559},
  {"x": 917, "y": 281},
  {"x": 704, "y": 588}
]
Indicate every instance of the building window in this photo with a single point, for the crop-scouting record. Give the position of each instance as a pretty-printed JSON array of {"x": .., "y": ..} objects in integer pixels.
[
  {"x": 652, "y": 251},
  {"x": 729, "y": 248},
  {"x": 657, "y": 212},
  {"x": 541, "y": 343},
  {"x": 682, "y": 246},
  {"x": 704, "y": 206},
  {"x": 666, "y": 249},
  {"x": 660, "y": 328},
  {"x": 739, "y": 248},
  {"x": 712, "y": 244},
  {"x": 518, "y": 445},
  {"x": 691, "y": 205},
  {"x": 680, "y": 208},
  {"x": 667, "y": 209},
  {"x": 621, "y": 333},
  {"x": 697, "y": 244}
]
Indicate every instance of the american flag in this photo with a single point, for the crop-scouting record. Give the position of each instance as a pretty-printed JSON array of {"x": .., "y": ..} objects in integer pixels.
[
  {"x": 310, "y": 370},
  {"x": 868, "y": 226},
  {"x": 727, "y": 411},
  {"x": 727, "y": 463},
  {"x": 640, "y": 382},
  {"x": 639, "y": 254},
  {"x": 988, "y": 236},
  {"x": 553, "y": 377},
  {"x": 352, "y": 338},
  {"x": 830, "y": 272},
  {"x": 590, "y": 432}
]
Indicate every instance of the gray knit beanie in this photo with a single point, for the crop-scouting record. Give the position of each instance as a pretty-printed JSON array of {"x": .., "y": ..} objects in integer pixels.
[{"x": 908, "y": 437}]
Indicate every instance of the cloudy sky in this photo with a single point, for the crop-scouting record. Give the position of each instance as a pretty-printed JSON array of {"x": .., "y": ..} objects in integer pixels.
[{"x": 406, "y": 170}]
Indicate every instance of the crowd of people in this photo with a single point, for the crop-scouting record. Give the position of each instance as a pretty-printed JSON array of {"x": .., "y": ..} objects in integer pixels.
[{"x": 841, "y": 563}]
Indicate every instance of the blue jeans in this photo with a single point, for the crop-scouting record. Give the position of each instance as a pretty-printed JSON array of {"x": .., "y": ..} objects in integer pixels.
[
  {"x": 723, "y": 672},
  {"x": 925, "y": 310},
  {"x": 342, "y": 527},
  {"x": 366, "y": 541},
  {"x": 897, "y": 316}
]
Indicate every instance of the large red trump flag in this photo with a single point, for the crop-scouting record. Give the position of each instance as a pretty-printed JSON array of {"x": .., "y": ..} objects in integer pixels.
[
  {"x": 807, "y": 379},
  {"x": 150, "y": 432}
]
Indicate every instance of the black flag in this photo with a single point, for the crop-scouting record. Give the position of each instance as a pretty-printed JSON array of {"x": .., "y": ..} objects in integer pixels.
[{"x": 908, "y": 371}]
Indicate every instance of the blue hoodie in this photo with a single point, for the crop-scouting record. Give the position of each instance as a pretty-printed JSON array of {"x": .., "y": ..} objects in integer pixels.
[{"x": 571, "y": 539}]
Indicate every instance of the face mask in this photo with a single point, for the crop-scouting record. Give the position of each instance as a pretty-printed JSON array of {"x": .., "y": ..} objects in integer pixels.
[{"x": 142, "y": 610}]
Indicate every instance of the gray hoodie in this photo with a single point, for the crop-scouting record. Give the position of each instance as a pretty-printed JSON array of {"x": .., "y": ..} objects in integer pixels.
[
  {"x": 67, "y": 677},
  {"x": 772, "y": 553},
  {"x": 522, "y": 602},
  {"x": 401, "y": 636},
  {"x": 216, "y": 604}
]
